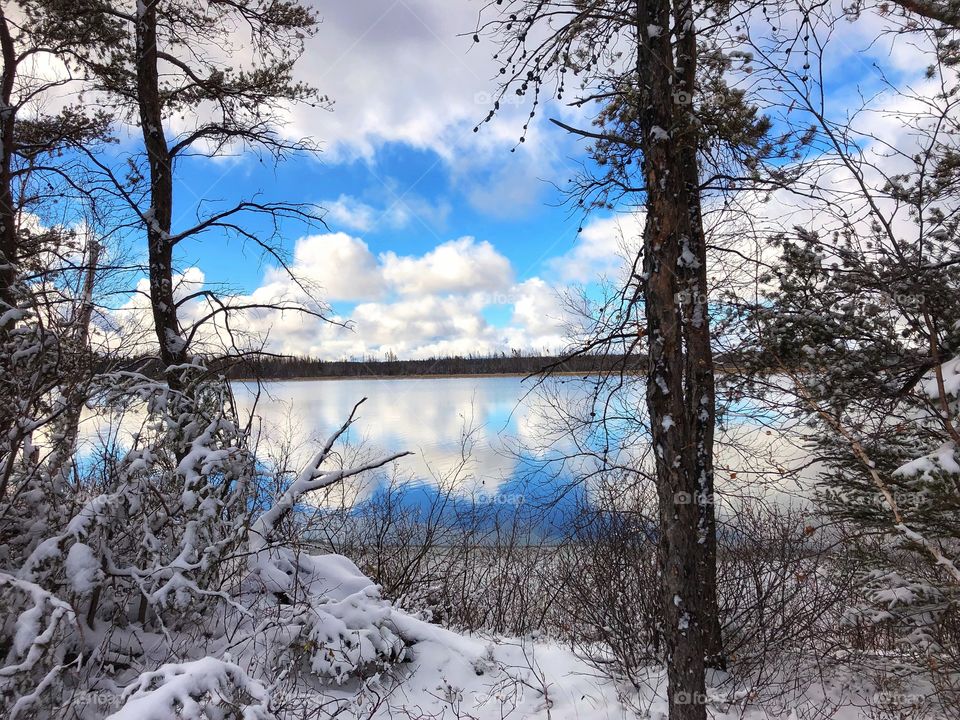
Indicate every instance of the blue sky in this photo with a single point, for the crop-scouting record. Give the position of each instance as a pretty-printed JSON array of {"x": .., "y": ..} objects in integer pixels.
[
  {"x": 439, "y": 240},
  {"x": 405, "y": 200}
]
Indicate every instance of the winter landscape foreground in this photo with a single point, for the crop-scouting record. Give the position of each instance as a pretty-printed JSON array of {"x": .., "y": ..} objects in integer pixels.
[{"x": 443, "y": 674}]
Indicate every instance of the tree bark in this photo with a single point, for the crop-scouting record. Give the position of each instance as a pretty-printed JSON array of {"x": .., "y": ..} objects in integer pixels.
[
  {"x": 158, "y": 218},
  {"x": 680, "y": 386},
  {"x": 699, "y": 371},
  {"x": 8, "y": 213},
  {"x": 9, "y": 252},
  {"x": 946, "y": 13}
]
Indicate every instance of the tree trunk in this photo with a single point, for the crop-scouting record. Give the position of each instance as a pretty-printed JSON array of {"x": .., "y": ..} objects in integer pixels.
[
  {"x": 76, "y": 342},
  {"x": 158, "y": 218},
  {"x": 9, "y": 252},
  {"x": 8, "y": 213},
  {"x": 699, "y": 370},
  {"x": 679, "y": 388}
]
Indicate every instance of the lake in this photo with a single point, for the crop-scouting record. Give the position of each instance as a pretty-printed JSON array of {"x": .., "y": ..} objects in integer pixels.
[
  {"x": 428, "y": 416},
  {"x": 500, "y": 438}
]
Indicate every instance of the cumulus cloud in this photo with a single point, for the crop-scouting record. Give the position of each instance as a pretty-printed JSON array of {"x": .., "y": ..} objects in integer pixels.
[
  {"x": 600, "y": 248},
  {"x": 457, "y": 266},
  {"x": 343, "y": 268},
  {"x": 415, "y": 306},
  {"x": 339, "y": 265},
  {"x": 350, "y": 213},
  {"x": 412, "y": 305},
  {"x": 409, "y": 74},
  {"x": 398, "y": 73},
  {"x": 538, "y": 310}
]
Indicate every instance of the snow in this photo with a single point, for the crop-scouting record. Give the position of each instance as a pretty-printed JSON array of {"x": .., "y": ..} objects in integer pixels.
[
  {"x": 950, "y": 373},
  {"x": 433, "y": 671},
  {"x": 530, "y": 678},
  {"x": 178, "y": 689},
  {"x": 662, "y": 384},
  {"x": 943, "y": 459},
  {"x": 296, "y": 634},
  {"x": 82, "y": 568},
  {"x": 517, "y": 677},
  {"x": 687, "y": 258},
  {"x": 12, "y": 315}
]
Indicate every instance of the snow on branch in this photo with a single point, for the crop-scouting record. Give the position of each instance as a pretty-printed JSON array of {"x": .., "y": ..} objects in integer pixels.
[
  {"x": 183, "y": 691},
  {"x": 33, "y": 638},
  {"x": 313, "y": 478}
]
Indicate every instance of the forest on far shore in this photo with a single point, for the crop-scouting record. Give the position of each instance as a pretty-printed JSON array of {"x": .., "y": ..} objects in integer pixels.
[
  {"x": 264, "y": 366},
  {"x": 289, "y": 367}
]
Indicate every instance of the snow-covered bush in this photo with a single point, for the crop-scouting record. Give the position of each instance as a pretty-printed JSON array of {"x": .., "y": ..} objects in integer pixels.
[
  {"x": 865, "y": 350},
  {"x": 175, "y": 556},
  {"x": 198, "y": 690}
]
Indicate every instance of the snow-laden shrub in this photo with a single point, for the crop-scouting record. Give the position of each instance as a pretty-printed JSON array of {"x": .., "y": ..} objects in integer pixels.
[
  {"x": 205, "y": 689},
  {"x": 36, "y": 633},
  {"x": 174, "y": 569}
]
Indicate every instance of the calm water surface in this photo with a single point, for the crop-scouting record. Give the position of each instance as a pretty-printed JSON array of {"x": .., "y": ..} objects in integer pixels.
[
  {"x": 493, "y": 436},
  {"x": 436, "y": 418}
]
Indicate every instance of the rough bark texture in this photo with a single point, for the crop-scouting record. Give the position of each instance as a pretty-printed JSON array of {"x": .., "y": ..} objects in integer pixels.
[
  {"x": 8, "y": 220},
  {"x": 9, "y": 252},
  {"x": 946, "y": 13},
  {"x": 680, "y": 388},
  {"x": 699, "y": 366},
  {"x": 158, "y": 218}
]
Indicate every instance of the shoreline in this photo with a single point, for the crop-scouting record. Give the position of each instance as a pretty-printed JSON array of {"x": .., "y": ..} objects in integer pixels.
[{"x": 453, "y": 376}]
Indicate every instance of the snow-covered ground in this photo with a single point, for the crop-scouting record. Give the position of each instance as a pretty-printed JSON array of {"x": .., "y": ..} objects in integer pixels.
[{"x": 444, "y": 674}]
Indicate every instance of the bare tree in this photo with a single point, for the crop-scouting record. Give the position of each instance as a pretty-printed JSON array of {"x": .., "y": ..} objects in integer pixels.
[
  {"x": 36, "y": 267},
  {"x": 182, "y": 59}
]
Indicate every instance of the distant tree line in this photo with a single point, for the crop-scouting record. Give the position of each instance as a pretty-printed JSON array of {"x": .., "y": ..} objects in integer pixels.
[
  {"x": 266, "y": 366},
  {"x": 287, "y": 367}
]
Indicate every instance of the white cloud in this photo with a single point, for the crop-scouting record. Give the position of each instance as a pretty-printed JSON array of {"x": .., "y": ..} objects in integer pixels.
[
  {"x": 600, "y": 249},
  {"x": 538, "y": 309},
  {"x": 415, "y": 306},
  {"x": 350, "y": 213},
  {"x": 409, "y": 73},
  {"x": 398, "y": 209},
  {"x": 339, "y": 265},
  {"x": 457, "y": 266},
  {"x": 398, "y": 72}
]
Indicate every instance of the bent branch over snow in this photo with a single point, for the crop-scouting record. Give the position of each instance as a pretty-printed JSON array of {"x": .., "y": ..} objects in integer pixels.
[{"x": 313, "y": 478}]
